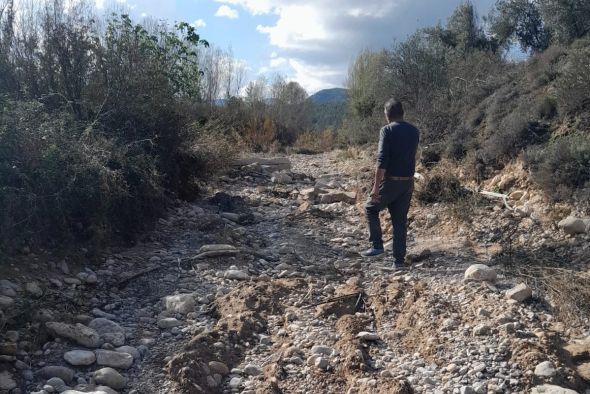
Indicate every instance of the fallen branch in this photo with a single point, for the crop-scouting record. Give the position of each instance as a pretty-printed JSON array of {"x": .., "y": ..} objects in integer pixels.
[{"x": 504, "y": 198}]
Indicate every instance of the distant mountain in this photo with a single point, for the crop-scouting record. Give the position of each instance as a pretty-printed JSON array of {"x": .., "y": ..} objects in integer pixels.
[{"x": 335, "y": 95}]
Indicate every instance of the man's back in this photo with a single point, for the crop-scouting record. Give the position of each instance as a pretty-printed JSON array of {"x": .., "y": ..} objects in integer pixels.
[{"x": 398, "y": 144}]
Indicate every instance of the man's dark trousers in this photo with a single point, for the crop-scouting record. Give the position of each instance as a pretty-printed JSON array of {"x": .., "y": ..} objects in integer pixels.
[{"x": 395, "y": 195}]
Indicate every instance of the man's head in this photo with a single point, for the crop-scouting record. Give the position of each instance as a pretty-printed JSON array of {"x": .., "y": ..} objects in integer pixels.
[{"x": 394, "y": 110}]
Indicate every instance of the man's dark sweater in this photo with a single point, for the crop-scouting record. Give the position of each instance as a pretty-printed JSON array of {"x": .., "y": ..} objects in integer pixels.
[{"x": 398, "y": 143}]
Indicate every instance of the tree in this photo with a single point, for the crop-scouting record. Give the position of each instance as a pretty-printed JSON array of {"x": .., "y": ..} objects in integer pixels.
[
  {"x": 463, "y": 31},
  {"x": 519, "y": 21},
  {"x": 567, "y": 20}
]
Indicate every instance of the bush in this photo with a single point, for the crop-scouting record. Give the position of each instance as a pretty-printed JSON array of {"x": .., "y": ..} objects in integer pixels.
[
  {"x": 573, "y": 85},
  {"x": 315, "y": 141},
  {"x": 61, "y": 181},
  {"x": 562, "y": 165},
  {"x": 440, "y": 187}
]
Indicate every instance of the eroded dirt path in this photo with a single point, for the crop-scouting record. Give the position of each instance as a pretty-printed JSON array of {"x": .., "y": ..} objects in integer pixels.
[{"x": 284, "y": 304}]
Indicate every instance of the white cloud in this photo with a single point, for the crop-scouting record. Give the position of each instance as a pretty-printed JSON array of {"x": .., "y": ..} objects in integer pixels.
[
  {"x": 255, "y": 7},
  {"x": 227, "y": 12},
  {"x": 315, "y": 77},
  {"x": 298, "y": 27},
  {"x": 277, "y": 61},
  {"x": 199, "y": 23}
]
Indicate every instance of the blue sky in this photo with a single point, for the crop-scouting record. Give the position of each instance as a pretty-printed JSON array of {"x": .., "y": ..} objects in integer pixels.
[{"x": 309, "y": 41}]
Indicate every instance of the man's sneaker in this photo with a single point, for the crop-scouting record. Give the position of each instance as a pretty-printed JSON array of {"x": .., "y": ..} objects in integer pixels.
[
  {"x": 372, "y": 252},
  {"x": 398, "y": 267}
]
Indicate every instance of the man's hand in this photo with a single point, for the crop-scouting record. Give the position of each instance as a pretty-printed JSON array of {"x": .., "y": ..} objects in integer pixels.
[
  {"x": 374, "y": 195},
  {"x": 379, "y": 175}
]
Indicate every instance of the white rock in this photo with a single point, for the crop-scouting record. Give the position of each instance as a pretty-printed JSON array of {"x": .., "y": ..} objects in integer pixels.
[
  {"x": 169, "y": 322},
  {"x": 109, "y": 358},
  {"x": 78, "y": 333},
  {"x": 551, "y": 389},
  {"x": 180, "y": 303},
  {"x": 131, "y": 350},
  {"x": 217, "y": 250},
  {"x": 109, "y": 377},
  {"x": 280, "y": 177},
  {"x": 321, "y": 363},
  {"x": 367, "y": 336},
  {"x": 236, "y": 275},
  {"x": 34, "y": 289},
  {"x": 252, "y": 370},
  {"x": 108, "y": 330},
  {"x": 545, "y": 369},
  {"x": 80, "y": 357},
  {"x": 520, "y": 293},
  {"x": 7, "y": 381},
  {"x": 572, "y": 225},
  {"x": 480, "y": 273},
  {"x": 235, "y": 383},
  {"x": 322, "y": 350},
  {"x": 6, "y": 302}
]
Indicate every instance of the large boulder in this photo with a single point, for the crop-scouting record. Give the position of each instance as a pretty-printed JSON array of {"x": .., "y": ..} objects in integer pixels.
[
  {"x": 78, "y": 333},
  {"x": 520, "y": 293},
  {"x": 572, "y": 225},
  {"x": 108, "y": 330},
  {"x": 546, "y": 369},
  {"x": 56, "y": 371},
  {"x": 180, "y": 303},
  {"x": 7, "y": 381},
  {"x": 338, "y": 196},
  {"x": 281, "y": 177},
  {"x": 552, "y": 389},
  {"x": 110, "y": 377},
  {"x": 480, "y": 273},
  {"x": 109, "y": 358},
  {"x": 80, "y": 357}
]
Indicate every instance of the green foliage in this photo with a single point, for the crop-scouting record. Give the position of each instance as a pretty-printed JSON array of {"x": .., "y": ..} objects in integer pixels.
[
  {"x": 325, "y": 115},
  {"x": 573, "y": 85},
  {"x": 94, "y": 126},
  {"x": 520, "y": 21},
  {"x": 60, "y": 183},
  {"x": 566, "y": 20},
  {"x": 440, "y": 187},
  {"x": 562, "y": 165}
]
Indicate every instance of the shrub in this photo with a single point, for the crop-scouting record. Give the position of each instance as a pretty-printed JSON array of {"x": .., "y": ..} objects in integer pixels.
[
  {"x": 62, "y": 181},
  {"x": 315, "y": 142},
  {"x": 573, "y": 85},
  {"x": 458, "y": 143},
  {"x": 440, "y": 186},
  {"x": 562, "y": 165}
]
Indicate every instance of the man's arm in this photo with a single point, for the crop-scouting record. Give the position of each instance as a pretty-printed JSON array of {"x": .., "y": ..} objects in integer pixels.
[
  {"x": 379, "y": 175},
  {"x": 382, "y": 156}
]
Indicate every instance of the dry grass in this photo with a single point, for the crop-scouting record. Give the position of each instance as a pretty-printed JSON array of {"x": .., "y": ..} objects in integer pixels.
[
  {"x": 567, "y": 291},
  {"x": 316, "y": 142}
]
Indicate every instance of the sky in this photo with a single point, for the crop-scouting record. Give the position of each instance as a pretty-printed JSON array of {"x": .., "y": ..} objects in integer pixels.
[{"x": 308, "y": 41}]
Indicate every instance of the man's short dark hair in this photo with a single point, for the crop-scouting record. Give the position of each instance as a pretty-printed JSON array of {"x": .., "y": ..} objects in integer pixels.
[{"x": 394, "y": 109}]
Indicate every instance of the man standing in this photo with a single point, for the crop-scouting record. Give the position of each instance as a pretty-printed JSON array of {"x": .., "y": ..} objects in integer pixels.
[{"x": 394, "y": 182}]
